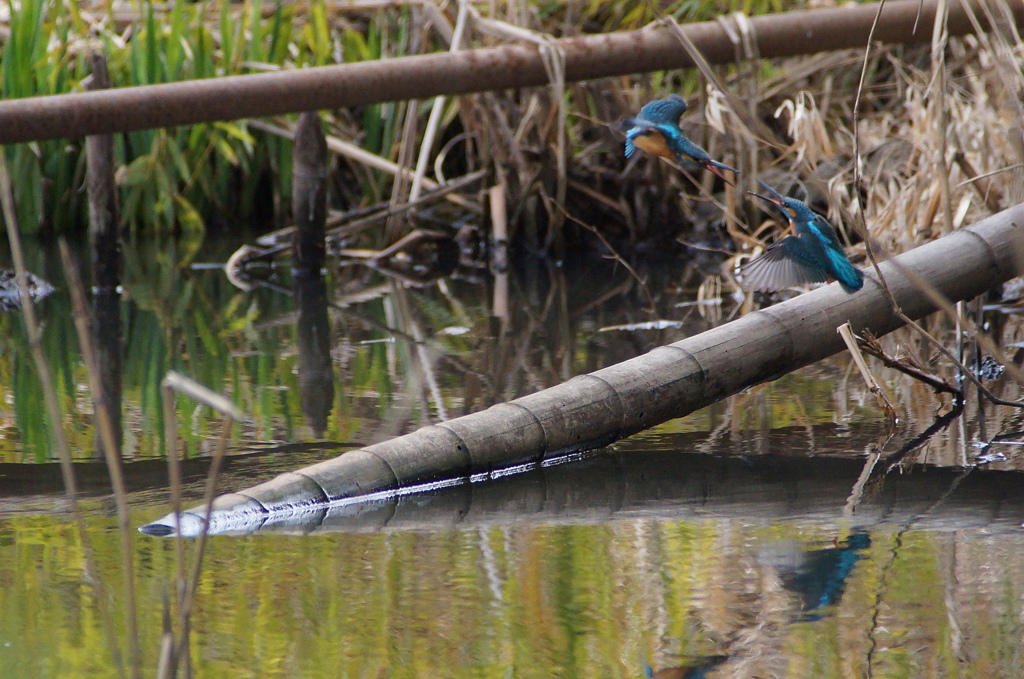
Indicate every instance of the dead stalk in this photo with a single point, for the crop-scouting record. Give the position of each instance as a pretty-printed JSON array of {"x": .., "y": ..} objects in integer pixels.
[
  {"x": 34, "y": 332},
  {"x": 499, "y": 252},
  {"x": 940, "y": 114},
  {"x": 851, "y": 343},
  {"x": 871, "y": 246},
  {"x": 436, "y": 111},
  {"x": 110, "y": 440},
  {"x": 869, "y": 345},
  {"x": 175, "y": 482},
  {"x": 231, "y": 413}
]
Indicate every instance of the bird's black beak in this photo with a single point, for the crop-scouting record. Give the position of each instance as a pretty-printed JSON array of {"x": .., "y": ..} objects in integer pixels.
[
  {"x": 773, "y": 197},
  {"x": 773, "y": 201}
]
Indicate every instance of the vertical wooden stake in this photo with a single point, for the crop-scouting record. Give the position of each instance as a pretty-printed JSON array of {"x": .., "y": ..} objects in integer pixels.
[
  {"x": 105, "y": 239},
  {"x": 309, "y": 193},
  {"x": 99, "y": 178},
  {"x": 309, "y": 208},
  {"x": 499, "y": 251}
]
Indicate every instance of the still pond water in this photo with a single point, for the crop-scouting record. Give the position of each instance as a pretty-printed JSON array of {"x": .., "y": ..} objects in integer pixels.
[{"x": 785, "y": 532}]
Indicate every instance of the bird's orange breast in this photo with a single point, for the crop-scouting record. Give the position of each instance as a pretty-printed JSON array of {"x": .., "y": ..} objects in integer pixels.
[{"x": 653, "y": 141}]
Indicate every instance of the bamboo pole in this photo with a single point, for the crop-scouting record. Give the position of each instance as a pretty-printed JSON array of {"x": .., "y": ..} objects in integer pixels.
[
  {"x": 424, "y": 76},
  {"x": 671, "y": 381},
  {"x": 628, "y": 485}
]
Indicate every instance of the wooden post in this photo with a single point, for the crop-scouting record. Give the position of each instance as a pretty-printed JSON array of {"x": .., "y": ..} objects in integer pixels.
[
  {"x": 309, "y": 194},
  {"x": 105, "y": 241},
  {"x": 309, "y": 208},
  {"x": 102, "y": 190}
]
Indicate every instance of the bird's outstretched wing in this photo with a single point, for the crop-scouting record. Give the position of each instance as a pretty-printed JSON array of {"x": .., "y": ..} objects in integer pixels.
[
  {"x": 664, "y": 110},
  {"x": 630, "y": 146},
  {"x": 785, "y": 264}
]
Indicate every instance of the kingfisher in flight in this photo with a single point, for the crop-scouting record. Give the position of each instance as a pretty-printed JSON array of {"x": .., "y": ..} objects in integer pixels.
[
  {"x": 656, "y": 130},
  {"x": 813, "y": 255}
]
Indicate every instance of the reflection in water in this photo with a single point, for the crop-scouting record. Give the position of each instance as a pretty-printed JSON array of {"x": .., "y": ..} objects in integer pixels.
[
  {"x": 193, "y": 321},
  {"x": 421, "y": 258},
  {"x": 108, "y": 341},
  {"x": 313, "y": 331},
  {"x": 10, "y": 296},
  {"x": 819, "y": 576},
  {"x": 535, "y": 593},
  {"x": 633, "y": 480},
  {"x": 642, "y": 556},
  {"x": 698, "y": 669}
]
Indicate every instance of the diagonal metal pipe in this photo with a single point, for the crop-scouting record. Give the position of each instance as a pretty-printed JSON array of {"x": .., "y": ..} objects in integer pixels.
[{"x": 419, "y": 77}]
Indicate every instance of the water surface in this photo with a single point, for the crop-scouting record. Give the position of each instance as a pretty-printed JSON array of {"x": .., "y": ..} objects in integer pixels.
[{"x": 786, "y": 531}]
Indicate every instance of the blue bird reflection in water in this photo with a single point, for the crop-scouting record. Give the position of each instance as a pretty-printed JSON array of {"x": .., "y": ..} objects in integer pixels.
[
  {"x": 820, "y": 575},
  {"x": 698, "y": 669}
]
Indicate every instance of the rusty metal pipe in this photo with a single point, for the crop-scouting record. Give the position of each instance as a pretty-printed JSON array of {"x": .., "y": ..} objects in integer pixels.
[{"x": 419, "y": 77}]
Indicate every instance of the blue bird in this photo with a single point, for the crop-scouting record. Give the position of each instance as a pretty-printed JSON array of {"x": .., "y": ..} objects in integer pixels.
[
  {"x": 813, "y": 255},
  {"x": 656, "y": 130}
]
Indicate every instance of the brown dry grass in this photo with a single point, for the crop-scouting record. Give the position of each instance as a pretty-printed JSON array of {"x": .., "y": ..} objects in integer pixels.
[{"x": 925, "y": 116}]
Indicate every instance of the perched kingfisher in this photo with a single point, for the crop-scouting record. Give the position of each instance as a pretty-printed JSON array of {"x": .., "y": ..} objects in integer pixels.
[
  {"x": 813, "y": 255},
  {"x": 656, "y": 130}
]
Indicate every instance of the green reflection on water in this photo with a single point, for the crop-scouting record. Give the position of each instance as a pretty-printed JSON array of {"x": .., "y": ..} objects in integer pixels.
[
  {"x": 245, "y": 344},
  {"x": 193, "y": 321},
  {"x": 525, "y": 601}
]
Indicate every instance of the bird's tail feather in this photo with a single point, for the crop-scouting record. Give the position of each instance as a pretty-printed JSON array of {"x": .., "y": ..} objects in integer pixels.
[{"x": 849, "y": 276}]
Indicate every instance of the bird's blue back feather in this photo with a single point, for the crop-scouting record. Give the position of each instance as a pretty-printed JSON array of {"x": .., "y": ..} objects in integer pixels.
[{"x": 664, "y": 110}]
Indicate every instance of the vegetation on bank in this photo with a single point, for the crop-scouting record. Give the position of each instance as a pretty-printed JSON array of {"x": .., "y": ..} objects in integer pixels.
[
  {"x": 939, "y": 139},
  {"x": 940, "y": 145},
  {"x": 936, "y": 120},
  {"x": 227, "y": 173}
]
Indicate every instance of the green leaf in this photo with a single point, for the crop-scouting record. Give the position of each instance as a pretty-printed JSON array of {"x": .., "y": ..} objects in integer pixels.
[{"x": 188, "y": 218}]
